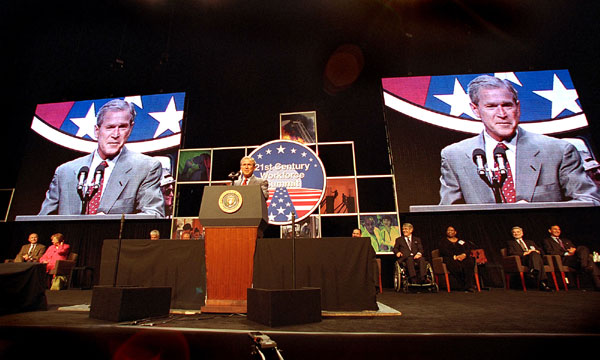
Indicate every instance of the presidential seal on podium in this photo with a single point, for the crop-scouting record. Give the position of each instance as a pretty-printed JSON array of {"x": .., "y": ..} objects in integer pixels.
[{"x": 230, "y": 201}]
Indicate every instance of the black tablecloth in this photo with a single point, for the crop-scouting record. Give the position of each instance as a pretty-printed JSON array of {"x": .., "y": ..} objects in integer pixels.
[
  {"x": 341, "y": 267},
  {"x": 175, "y": 263},
  {"x": 22, "y": 287}
]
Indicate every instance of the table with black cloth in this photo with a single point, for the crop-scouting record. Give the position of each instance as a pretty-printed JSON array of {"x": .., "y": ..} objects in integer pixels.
[
  {"x": 178, "y": 264},
  {"x": 341, "y": 267},
  {"x": 22, "y": 287}
]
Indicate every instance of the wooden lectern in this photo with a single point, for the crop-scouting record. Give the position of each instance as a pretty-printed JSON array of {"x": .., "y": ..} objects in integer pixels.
[{"x": 233, "y": 218}]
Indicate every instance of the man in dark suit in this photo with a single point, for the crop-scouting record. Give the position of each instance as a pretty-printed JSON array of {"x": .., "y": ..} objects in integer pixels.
[
  {"x": 539, "y": 168},
  {"x": 31, "y": 252},
  {"x": 247, "y": 177},
  {"x": 531, "y": 256},
  {"x": 131, "y": 181},
  {"x": 574, "y": 257},
  {"x": 409, "y": 250}
]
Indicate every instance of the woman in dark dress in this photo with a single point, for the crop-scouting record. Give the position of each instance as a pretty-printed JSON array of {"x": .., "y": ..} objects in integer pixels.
[{"x": 458, "y": 260}]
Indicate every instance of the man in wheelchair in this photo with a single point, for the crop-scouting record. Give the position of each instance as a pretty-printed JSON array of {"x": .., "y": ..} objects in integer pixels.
[{"x": 409, "y": 252}]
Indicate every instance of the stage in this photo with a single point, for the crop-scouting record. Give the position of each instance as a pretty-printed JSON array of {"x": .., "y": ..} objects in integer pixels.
[{"x": 492, "y": 324}]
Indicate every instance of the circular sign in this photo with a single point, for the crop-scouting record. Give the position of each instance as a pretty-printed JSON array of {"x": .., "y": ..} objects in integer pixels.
[
  {"x": 230, "y": 201},
  {"x": 296, "y": 179}
]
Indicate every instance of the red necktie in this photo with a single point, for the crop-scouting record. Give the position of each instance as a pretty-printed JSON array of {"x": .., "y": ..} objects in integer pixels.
[
  {"x": 95, "y": 201},
  {"x": 508, "y": 188},
  {"x": 245, "y": 181}
]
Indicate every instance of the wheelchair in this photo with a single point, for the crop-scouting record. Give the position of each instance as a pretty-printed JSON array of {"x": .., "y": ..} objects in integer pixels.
[{"x": 402, "y": 281}]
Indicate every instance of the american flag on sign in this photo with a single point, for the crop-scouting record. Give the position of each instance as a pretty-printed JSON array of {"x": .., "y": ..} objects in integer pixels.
[
  {"x": 283, "y": 202},
  {"x": 296, "y": 179}
]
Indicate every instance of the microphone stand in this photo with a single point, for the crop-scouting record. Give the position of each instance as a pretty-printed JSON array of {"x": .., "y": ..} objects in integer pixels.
[
  {"x": 293, "y": 251},
  {"x": 118, "y": 250}
]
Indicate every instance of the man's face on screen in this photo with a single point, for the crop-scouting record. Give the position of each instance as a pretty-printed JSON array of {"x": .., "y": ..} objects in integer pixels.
[
  {"x": 113, "y": 133},
  {"x": 498, "y": 111}
]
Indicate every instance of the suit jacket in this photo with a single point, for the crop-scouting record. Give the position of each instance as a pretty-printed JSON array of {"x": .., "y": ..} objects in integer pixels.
[
  {"x": 254, "y": 180},
  {"x": 402, "y": 246},
  {"x": 513, "y": 247},
  {"x": 35, "y": 254},
  {"x": 133, "y": 187},
  {"x": 548, "y": 169},
  {"x": 551, "y": 247}
]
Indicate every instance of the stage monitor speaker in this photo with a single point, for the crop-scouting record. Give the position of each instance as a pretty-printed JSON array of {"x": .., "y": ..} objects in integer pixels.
[
  {"x": 124, "y": 303},
  {"x": 284, "y": 307}
]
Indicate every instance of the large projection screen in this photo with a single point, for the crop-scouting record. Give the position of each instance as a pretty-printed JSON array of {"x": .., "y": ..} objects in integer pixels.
[
  {"x": 64, "y": 136},
  {"x": 426, "y": 114}
]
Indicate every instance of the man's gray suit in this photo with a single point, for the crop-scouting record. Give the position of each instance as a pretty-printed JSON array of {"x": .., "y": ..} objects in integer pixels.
[
  {"x": 254, "y": 180},
  {"x": 548, "y": 169},
  {"x": 133, "y": 187}
]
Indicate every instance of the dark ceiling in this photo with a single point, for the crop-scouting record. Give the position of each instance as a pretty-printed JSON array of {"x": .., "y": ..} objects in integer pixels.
[{"x": 244, "y": 62}]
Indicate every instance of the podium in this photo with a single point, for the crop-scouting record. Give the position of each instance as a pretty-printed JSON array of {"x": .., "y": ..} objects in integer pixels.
[{"x": 233, "y": 218}]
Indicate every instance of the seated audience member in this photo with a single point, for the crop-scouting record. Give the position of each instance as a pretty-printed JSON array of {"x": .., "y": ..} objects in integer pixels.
[
  {"x": 57, "y": 251},
  {"x": 574, "y": 257},
  {"x": 31, "y": 252},
  {"x": 186, "y": 235},
  {"x": 530, "y": 255},
  {"x": 409, "y": 250},
  {"x": 458, "y": 260},
  {"x": 356, "y": 233},
  {"x": 196, "y": 234},
  {"x": 154, "y": 235}
]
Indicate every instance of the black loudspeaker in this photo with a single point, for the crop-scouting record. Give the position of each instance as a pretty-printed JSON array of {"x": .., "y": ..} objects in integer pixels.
[
  {"x": 124, "y": 303},
  {"x": 284, "y": 307}
]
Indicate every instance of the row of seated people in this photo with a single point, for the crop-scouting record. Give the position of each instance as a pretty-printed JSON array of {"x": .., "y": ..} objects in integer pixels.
[{"x": 457, "y": 255}]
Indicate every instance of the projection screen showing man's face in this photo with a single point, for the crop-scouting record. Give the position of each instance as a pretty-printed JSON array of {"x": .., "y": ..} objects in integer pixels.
[
  {"x": 105, "y": 156},
  {"x": 497, "y": 138}
]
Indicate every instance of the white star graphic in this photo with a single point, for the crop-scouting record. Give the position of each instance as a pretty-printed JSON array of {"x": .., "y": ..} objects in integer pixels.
[
  {"x": 280, "y": 210},
  {"x": 561, "y": 98},
  {"x": 287, "y": 204},
  {"x": 271, "y": 217},
  {"x": 259, "y": 156},
  {"x": 293, "y": 150},
  {"x": 168, "y": 119},
  {"x": 86, "y": 124},
  {"x": 137, "y": 100},
  {"x": 280, "y": 149},
  {"x": 289, "y": 216},
  {"x": 268, "y": 151},
  {"x": 510, "y": 76},
  {"x": 459, "y": 101},
  {"x": 304, "y": 154},
  {"x": 280, "y": 200}
]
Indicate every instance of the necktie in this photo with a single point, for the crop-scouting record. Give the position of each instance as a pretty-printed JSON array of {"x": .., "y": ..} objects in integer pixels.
[
  {"x": 562, "y": 245},
  {"x": 409, "y": 242},
  {"x": 245, "y": 181},
  {"x": 522, "y": 243},
  {"x": 31, "y": 248},
  {"x": 508, "y": 188},
  {"x": 95, "y": 201}
]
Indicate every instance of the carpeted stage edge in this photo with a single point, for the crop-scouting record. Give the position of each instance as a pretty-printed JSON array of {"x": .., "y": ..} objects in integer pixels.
[{"x": 495, "y": 324}]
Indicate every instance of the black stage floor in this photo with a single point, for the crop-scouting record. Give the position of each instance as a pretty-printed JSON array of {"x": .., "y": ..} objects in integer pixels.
[{"x": 494, "y": 324}]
